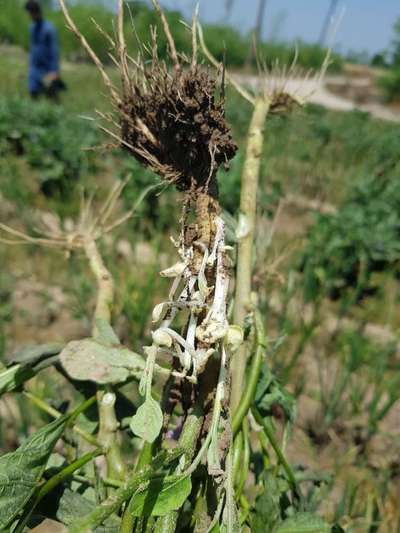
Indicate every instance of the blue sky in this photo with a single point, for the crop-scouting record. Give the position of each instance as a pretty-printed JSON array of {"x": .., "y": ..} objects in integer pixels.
[{"x": 366, "y": 24}]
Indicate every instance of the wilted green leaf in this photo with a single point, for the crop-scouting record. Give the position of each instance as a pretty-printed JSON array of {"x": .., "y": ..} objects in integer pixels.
[
  {"x": 29, "y": 361},
  {"x": 92, "y": 360},
  {"x": 30, "y": 355},
  {"x": 148, "y": 420},
  {"x": 161, "y": 497},
  {"x": 271, "y": 393},
  {"x": 304, "y": 523},
  {"x": 264, "y": 382},
  {"x": 105, "y": 333},
  {"x": 14, "y": 377},
  {"x": 21, "y": 470},
  {"x": 278, "y": 396},
  {"x": 73, "y": 505}
]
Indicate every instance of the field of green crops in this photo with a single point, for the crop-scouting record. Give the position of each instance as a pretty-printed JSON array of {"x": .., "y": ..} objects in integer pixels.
[{"x": 327, "y": 276}]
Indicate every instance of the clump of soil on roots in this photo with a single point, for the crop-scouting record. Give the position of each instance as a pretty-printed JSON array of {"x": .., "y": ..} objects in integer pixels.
[{"x": 175, "y": 125}]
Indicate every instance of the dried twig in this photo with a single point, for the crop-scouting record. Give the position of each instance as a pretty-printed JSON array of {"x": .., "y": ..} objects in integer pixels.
[
  {"x": 122, "y": 49},
  {"x": 194, "y": 36},
  {"x": 168, "y": 35}
]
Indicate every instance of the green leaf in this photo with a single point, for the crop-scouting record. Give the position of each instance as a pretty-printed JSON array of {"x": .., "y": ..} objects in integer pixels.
[
  {"x": 161, "y": 497},
  {"x": 264, "y": 382},
  {"x": 91, "y": 360},
  {"x": 267, "y": 511},
  {"x": 29, "y": 361},
  {"x": 148, "y": 420},
  {"x": 73, "y": 505},
  {"x": 105, "y": 333},
  {"x": 30, "y": 355},
  {"x": 21, "y": 470},
  {"x": 304, "y": 523},
  {"x": 14, "y": 377}
]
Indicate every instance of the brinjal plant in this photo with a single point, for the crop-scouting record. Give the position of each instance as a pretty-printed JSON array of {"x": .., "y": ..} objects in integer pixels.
[{"x": 207, "y": 455}]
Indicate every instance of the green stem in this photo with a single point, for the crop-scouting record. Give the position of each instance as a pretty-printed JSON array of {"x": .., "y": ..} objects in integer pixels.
[
  {"x": 248, "y": 213},
  {"x": 245, "y": 509},
  {"x": 108, "y": 423},
  {"x": 188, "y": 441},
  {"x": 115, "y": 483},
  {"x": 145, "y": 456},
  {"x": 237, "y": 455},
  {"x": 42, "y": 405},
  {"x": 112, "y": 504},
  {"x": 255, "y": 369},
  {"x": 245, "y": 460},
  {"x": 56, "y": 414},
  {"x": 53, "y": 482},
  {"x": 108, "y": 434},
  {"x": 138, "y": 481},
  {"x": 58, "y": 478},
  {"x": 274, "y": 443},
  {"x": 264, "y": 443}
]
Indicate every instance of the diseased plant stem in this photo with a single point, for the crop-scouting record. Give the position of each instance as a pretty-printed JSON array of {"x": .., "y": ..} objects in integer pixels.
[
  {"x": 245, "y": 460},
  {"x": 113, "y": 503},
  {"x": 140, "y": 481},
  {"x": 188, "y": 441},
  {"x": 108, "y": 423},
  {"x": 108, "y": 435},
  {"x": 248, "y": 212},
  {"x": 105, "y": 283},
  {"x": 167, "y": 524}
]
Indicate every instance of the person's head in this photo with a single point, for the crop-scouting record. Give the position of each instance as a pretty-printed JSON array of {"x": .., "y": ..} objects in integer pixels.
[{"x": 34, "y": 9}]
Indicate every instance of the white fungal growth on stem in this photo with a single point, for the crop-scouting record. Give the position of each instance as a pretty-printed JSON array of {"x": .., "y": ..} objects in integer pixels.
[{"x": 189, "y": 294}]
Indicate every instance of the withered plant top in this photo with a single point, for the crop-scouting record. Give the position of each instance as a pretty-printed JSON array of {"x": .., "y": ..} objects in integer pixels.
[{"x": 170, "y": 121}]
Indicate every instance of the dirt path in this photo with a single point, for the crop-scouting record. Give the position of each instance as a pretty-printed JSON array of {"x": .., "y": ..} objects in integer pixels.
[{"x": 319, "y": 94}]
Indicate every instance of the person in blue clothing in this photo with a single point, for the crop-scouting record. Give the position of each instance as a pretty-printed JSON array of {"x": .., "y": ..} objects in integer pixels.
[{"x": 44, "y": 76}]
